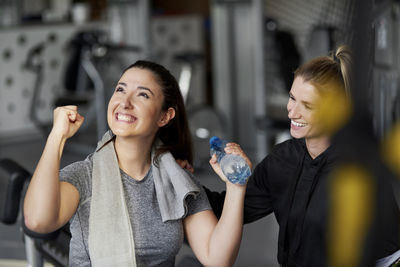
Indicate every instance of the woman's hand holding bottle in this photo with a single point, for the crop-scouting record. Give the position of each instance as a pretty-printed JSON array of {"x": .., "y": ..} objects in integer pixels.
[{"x": 229, "y": 161}]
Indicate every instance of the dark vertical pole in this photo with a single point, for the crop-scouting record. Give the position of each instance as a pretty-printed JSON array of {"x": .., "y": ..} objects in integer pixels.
[{"x": 362, "y": 68}]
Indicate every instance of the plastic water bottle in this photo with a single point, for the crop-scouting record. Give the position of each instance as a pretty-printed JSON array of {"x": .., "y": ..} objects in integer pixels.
[{"x": 233, "y": 166}]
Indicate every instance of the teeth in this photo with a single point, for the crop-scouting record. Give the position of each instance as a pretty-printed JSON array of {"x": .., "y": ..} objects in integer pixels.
[
  {"x": 297, "y": 124},
  {"x": 123, "y": 117}
]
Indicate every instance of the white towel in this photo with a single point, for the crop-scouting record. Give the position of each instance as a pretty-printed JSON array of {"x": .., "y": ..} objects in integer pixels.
[{"x": 111, "y": 241}]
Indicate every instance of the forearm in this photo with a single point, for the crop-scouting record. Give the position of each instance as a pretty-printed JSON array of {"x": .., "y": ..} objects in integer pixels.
[
  {"x": 42, "y": 200},
  {"x": 225, "y": 239}
]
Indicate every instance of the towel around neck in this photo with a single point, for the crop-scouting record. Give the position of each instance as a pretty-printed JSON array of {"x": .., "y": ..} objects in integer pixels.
[{"x": 111, "y": 240}]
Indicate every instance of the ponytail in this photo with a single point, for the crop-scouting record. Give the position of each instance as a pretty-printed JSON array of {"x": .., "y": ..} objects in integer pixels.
[{"x": 344, "y": 57}]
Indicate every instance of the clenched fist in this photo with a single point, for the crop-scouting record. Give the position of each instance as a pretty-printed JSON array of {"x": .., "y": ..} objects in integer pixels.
[{"x": 66, "y": 121}]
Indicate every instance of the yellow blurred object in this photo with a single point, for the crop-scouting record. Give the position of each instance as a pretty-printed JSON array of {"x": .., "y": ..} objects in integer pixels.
[
  {"x": 333, "y": 109},
  {"x": 391, "y": 149},
  {"x": 351, "y": 208}
]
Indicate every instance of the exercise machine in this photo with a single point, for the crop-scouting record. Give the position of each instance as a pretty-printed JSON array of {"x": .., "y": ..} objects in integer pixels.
[{"x": 52, "y": 247}]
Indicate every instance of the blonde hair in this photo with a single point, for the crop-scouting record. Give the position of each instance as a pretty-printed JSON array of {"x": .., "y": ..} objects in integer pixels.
[{"x": 329, "y": 71}]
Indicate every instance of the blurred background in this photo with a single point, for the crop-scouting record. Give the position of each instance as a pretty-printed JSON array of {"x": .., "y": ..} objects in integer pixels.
[{"x": 234, "y": 60}]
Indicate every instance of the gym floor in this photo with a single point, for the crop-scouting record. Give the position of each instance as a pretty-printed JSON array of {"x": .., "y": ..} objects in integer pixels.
[{"x": 259, "y": 243}]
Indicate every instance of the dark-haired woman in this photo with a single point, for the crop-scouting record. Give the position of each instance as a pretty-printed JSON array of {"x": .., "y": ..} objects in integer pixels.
[{"x": 129, "y": 203}]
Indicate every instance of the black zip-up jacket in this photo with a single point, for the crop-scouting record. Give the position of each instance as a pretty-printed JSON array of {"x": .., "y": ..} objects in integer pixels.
[{"x": 293, "y": 186}]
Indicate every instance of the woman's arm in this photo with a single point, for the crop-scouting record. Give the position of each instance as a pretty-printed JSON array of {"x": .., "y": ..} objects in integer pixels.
[
  {"x": 49, "y": 203},
  {"x": 216, "y": 243}
]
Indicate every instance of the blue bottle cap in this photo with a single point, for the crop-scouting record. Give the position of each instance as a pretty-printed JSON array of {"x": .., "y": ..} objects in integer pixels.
[{"x": 215, "y": 142}]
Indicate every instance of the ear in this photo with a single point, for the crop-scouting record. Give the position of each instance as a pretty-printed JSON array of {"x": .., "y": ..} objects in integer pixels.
[{"x": 166, "y": 117}]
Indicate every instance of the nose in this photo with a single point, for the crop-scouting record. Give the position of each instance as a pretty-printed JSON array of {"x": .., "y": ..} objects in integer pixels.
[
  {"x": 126, "y": 102},
  {"x": 293, "y": 110}
]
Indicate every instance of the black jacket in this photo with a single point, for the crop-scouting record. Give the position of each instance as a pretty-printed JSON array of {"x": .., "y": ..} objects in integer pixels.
[{"x": 292, "y": 185}]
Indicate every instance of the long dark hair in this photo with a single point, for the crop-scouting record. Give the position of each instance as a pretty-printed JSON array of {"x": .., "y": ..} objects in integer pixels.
[{"x": 175, "y": 136}]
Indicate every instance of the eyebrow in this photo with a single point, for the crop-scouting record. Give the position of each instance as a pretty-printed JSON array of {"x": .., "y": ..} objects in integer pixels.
[
  {"x": 145, "y": 88},
  {"x": 139, "y": 87}
]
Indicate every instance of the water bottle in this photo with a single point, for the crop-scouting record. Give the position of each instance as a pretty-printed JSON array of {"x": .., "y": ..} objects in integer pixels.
[{"x": 233, "y": 166}]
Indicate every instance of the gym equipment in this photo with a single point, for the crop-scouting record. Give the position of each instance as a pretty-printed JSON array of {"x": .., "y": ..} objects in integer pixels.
[
  {"x": 83, "y": 82},
  {"x": 204, "y": 120},
  {"x": 52, "y": 247}
]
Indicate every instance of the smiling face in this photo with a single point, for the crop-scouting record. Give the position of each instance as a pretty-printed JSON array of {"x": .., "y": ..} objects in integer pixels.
[
  {"x": 301, "y": 109},
  {"x": 135, "y": 108}
]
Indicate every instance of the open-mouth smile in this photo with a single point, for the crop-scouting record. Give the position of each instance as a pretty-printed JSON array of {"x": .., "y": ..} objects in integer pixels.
[
  {"x": 125, "y": 117},
  {"x": 298, "y": 124}
]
